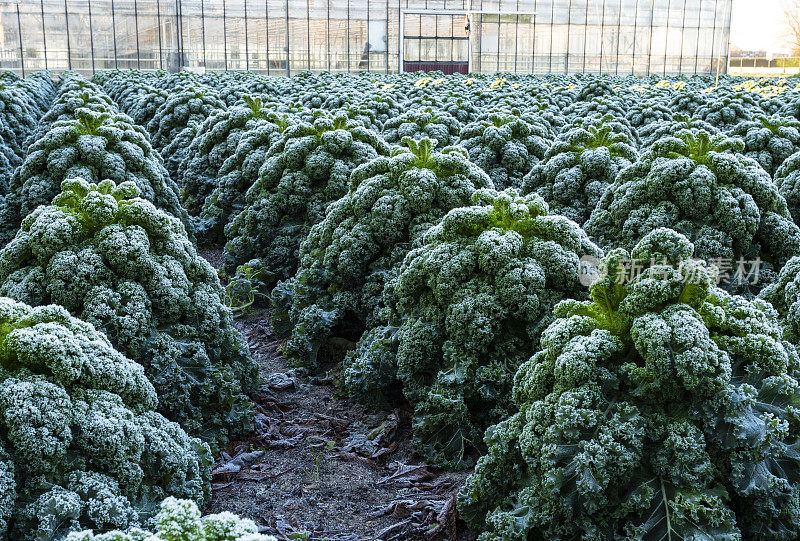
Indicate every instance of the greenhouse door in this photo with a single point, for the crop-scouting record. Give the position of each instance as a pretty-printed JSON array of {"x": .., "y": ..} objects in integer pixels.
[{"x": 434, "y": 40}]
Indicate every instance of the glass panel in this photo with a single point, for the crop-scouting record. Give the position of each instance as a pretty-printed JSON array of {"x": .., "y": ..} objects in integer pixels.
[
  {"x": 557, "y": 59},
  {"x": 148, "y": 34},
  {"x": 235, "y": 32},
  {"x": 412, "y": 52},
  {"x": 103, "y": 34},
  {"x": 359, "y": 53},
  {"x": 461, "y": 50},
  {"x": 427, "y": 50},
  {"x": 444, "y": 25},
  {"x": 412, "y": 24},
  {"x": 444, "y": 49},
  {"x": 427, "y": 26},
  {"x": 32, "y": 37},
  {"x": 296, "y": 51},
  {"x": 256, "y": 36},
  {"x": 377, "y": 37},
  {"x": 10, "y": 55},
  {"x": 79, "y": 35},
  {"x": 215, "y": 35}
]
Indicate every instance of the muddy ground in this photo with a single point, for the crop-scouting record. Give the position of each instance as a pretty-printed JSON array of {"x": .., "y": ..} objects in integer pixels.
[{"x": 320, "y": 467}]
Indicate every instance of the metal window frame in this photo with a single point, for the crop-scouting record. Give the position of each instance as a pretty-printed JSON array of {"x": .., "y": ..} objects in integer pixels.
[
  {"x": 585, "y": 36},
  {"x": 288, "y": 72},
  {"x": 516, "y": 39},
  {"x": 246, "y": 40},
  {"x": 160, "y": 42},
  {"x": 714, "y": 32},
  {"x": 568, "y": 32},
  {"x": 203, "y": 30},
  {"x": 497, "y": 68},
  {"x": 666, "y": 37},
  {"x": 619, "y": 37},
  {"x": 91, "y": 32},
  {"x": 697, "y": 43},
  {"x": 602, "y": 35},
  {"x": 225, "y": 32},
  {"x": 44, "y": 34},
  {"x": 453, "y": 12},
  {"x": 683, "y": 36},
  {"x": 21, "y": 49},
  {"x": 386, "y": 66},
  {"x": 635, "y": 33},
  {"x": 266, "y": 32},
  {"x": 533, "y": 40},
  {"x": 650, "y": 46},
  {"x": 136, "y": 23},
  {"x": 724, "y": 34},
  {"x": 552, "y": 17},
  {"x": 308, "y": 34},
  {"x": 179, "y": 22},
  {"x": 66, "y": 27}
]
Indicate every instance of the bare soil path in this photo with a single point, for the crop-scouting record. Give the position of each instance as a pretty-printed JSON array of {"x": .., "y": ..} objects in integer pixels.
[{"x": 320, "y": 467}]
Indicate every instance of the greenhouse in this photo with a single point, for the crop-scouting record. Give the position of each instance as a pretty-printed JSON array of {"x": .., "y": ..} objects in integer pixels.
[{"x": 284, "y": 37}]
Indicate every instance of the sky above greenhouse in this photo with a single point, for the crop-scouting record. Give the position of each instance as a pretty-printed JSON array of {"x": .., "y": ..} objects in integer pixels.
[{"x": 759, "y": 25}]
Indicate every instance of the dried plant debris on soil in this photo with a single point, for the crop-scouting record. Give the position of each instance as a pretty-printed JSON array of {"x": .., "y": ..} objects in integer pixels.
[{"x": 319, "y": 468}]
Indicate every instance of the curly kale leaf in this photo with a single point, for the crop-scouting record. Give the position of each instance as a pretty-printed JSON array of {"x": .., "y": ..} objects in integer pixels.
[
  {"x": 116, "y": 261},
  {"x": 82, "y": 446},
  {"x": 356, "y": 249},
  {"x": 470, "y": 303},
  {"x": 662, "y": 408}
]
